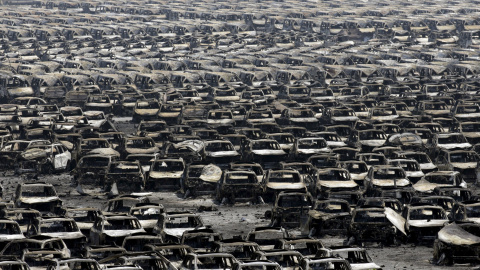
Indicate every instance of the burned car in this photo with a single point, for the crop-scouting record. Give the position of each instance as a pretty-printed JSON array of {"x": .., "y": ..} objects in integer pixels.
[
  {"x": 201, "y": 240},
  {"x": 457, "y": 242},
  {"x": 46, "y": 158},
  {"x": 147, "y": 214},
  {"x": 239, "y": 185},
  {"x": 328, "y": 216},
  {"x": 356, "y": 256},
  {"x": 113, "y": 229},
  {"x": 208, "y": 260},
  {"x": 466, "y": 211},
  {"x": 220, "y": 152},
  {"x": 325, "y": 263},
  {"x": 92, "y": 169},
  {"x": 172, "y": 225},
  {"x": 84, "y": 217},
  {"x": 40, "y": 196},
  {"x": 137, "y": 145},
  {"x": 337, "y": 183},
  {"x": 63, "y": 228},
  {"x": 266, "y": 237},
  {"x": 263, "y": 151},
  {"x": 126, "y": 176},
  {"x": 201, "y": 179},
  {"x": 370, "y": 224},
  {"x": 423, "y": 221},
  {"x": 290, "y": 208},
  {"x": 382, "y": 177},
  {"x": 9, "y": 231},
  {"x": 276, "y": 181},
  {"x": 465, "y": 162},
  {"x": 166, "y": 174},
  {"x": 439, "y": 179},
  {"x": 147, "y": 109},
  {"x": 303, "y": 148},
  {"x": 241, "y": 249}
]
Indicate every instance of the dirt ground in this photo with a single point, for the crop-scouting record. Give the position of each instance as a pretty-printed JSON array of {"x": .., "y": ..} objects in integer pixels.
[{"x": 229, "y": 220}]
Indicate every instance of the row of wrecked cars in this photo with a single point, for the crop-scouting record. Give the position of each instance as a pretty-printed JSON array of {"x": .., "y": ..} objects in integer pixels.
[
  {"x": 131, "y": 232},
  {"x": 352, "y": 119}
]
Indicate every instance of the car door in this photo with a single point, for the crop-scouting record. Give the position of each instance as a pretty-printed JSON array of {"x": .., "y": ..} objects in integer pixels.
[
  {"x": 58, "y": 158},
  {"x": 65, "y": 156}
]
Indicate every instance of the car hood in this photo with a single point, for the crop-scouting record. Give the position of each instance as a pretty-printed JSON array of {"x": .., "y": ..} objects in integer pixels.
[
  {"x": 104, "y": 151},
  {"x": 147, "y": 111},
  {"x": 122, "y": 233},
  {"x": 466, "y": 165},
  {"x": 10, "y": 237},
  {"x": 220, "y": 121},
  {"x": 373, "y": 143},
  {"x": 223, "y": 154},
  {"x": 141, "y": 150},
  {"x": 365, "y": 266},
  {"x": 211, "y": 173},
  {"x": 286, "y": 185},
  {"x": 384, "y": 118},
  {"x": 414, "y": 174},
  {"x": 157, "y": 175},
  {"x": 336, "y": 144},
  {"x": 390, "y": 183},
  {"x": 177, "y": 232},
  {"x": 475, "y": 220},
  {"x": 467, "y": 115},
  {"x": 425, "y": 186},
  {"x": 427, "y": 166},
  {"x": 326, "y": 216},
  {"x": 148, "y": 223},
  {"x": 31, "y": 200},
  {"x": 449, "y": 146},
  {"x": 344, "y": 118},
  {"x": 65, "y": 235},
  {"x": 313, "y": 151},
  {"x": 427, "y": 223},
  {"x": 304, "y": 120},
  {"x": 358, "y": 176},
  {"x": 97, "y": 123},
  {"x": 338, "y": 184},
  {"x": 269, "y": 152},
  {"x": 456, "y": 235}
]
